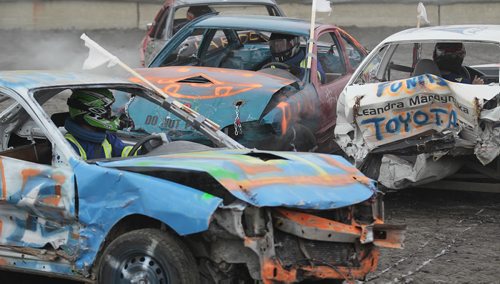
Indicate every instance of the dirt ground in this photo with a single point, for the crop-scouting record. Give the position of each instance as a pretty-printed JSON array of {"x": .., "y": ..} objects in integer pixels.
[{"x": 452, "y": 237}]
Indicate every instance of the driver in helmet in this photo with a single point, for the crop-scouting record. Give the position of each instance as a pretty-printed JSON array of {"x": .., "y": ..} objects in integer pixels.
[
  {"x": 286, "y": 49},
  {"x": 90, "y": 125},
  {"x": 449, "y": 57},
  {"x": 192, "y": 13}
]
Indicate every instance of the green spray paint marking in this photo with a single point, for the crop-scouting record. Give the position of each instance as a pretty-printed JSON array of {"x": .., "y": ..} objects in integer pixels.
[
  {"x": 219, "y": 173},
  {"x": 206, "y": 196}
]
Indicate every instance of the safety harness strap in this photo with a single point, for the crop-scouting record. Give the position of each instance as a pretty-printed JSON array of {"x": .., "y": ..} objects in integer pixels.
[{"x": 106, "y": 146}]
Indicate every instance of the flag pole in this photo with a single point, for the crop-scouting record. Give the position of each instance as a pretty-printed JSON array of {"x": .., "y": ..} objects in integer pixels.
[
  {"x": 195, "y": 117},
  {"x": 417, "y": 47},
  {"x": 311, "y": 34},
  {"x": 176, "y": 103}
]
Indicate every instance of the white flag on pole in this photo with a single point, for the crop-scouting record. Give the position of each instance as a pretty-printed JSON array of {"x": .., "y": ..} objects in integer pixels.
[
  {"x": 97, "y": 55},
  {"x": 323, "y": 6},
  {"x": 422, "y": 14}
]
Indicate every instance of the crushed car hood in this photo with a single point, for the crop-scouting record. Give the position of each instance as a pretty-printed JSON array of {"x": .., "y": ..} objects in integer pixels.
[
  {"x": 215, "y": 92},
  {"x": 299, "y": 180}
]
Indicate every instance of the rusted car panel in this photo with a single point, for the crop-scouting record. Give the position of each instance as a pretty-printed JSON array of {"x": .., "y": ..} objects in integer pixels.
[{"x": 233, "y": 209}]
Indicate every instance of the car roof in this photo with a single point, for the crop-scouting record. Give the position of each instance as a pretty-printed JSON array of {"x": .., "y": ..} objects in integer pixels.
[
  {"x": 23, "y": 81},
  {"x": 265, "y": 23},
  {"x": 487, "y": 33},
  {"x": 219, "y": 2}
]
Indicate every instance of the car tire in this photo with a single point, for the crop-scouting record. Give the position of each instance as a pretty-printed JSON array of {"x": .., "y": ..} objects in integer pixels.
[{"x": 158, "y": 256}]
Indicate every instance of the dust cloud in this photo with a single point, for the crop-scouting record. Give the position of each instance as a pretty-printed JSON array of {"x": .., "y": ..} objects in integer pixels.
[{"x": 63, "y": 50}]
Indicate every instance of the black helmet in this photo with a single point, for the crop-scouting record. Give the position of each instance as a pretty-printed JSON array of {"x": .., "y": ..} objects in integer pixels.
[
  {"x": 449, "y": 56},
  {"x": 197, "y": 11},
  {"x": 284, "y": 46}
]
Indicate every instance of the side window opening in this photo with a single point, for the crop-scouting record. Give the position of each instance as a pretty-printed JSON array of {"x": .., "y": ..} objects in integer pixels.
[
  {"x": 329, "y": 58},
  {"x": 180, "y": 19},
  {"x": 159, "y": 27},
  {"x": 400, "y": 66},
  {"x": 370, "y": 72},
  {"x": 187, "y": 52},
  {"x": 22, "y": 137},
  {"x": 353, "y": 53},
  {"x": 250, "y": 51}
]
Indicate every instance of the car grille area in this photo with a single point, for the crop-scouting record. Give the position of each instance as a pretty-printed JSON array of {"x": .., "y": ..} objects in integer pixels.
[{"x": 294, "y": 251}]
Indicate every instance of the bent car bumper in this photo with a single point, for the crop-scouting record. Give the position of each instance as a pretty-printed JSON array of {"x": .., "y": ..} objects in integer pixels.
[{"x": 291, "y": 246}]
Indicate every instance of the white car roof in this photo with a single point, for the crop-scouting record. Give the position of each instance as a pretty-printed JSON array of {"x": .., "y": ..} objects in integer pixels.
[{"x": 487, "y": 33}]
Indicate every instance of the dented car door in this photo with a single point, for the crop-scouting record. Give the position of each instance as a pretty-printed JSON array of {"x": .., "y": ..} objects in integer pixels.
[{"x": 37, "y": 199}]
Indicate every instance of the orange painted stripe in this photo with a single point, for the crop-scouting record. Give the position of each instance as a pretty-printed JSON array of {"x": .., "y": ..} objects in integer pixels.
[
  {"x": 52, "y": 200},
  {"x": 331, "y": 161},
  {"x": 332, "y": 180},
  {"x": 257, "y": 169},
  {"x": 27, "y": 173}
]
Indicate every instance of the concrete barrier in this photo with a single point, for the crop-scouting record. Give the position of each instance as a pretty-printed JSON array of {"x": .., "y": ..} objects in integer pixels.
[{"x": 127, "y": 14}]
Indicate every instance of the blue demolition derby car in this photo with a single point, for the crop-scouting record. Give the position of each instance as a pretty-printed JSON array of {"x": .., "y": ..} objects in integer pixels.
[
  {"x": 247, "y": 74},
  {"x": 180, "y": 212}
]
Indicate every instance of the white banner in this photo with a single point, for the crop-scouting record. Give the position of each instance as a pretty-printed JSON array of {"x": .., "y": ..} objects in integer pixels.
[{"x": 396, "y": 110}]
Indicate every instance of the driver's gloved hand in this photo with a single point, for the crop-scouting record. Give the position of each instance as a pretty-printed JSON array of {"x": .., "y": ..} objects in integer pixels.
[{"x": 150, "y": 145}]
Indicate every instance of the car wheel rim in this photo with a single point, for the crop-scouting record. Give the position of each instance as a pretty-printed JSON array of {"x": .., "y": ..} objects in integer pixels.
[{"x": 142, "y": 269}]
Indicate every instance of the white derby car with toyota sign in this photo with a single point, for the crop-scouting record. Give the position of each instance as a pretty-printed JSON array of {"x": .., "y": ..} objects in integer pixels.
[{"x": 406, "y": 123}]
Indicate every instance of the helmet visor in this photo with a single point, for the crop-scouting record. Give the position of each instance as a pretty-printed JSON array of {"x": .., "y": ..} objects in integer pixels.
[{"x": 280, "y": 45}]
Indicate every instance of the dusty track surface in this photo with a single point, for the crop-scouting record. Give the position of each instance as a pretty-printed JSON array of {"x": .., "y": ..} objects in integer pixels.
[{"x": 452, "y": 237}]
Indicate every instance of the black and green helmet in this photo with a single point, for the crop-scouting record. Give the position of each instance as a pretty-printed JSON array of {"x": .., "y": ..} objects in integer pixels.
[{"x": 93, "y": 107}]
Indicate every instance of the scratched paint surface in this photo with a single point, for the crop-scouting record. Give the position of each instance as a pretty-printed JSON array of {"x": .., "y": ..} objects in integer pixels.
[
  {"x": 39, "y": 207},
  {"x": 301, "y": 180},
  {"x": 215, "y": 98},
  {"x": 302, "y": 107},
  {"x": 36, "y": 200},
  {"x": 392, "y": 111},
  {"x": 295, "y": 180},
  {"x": 107, "y": 195}
]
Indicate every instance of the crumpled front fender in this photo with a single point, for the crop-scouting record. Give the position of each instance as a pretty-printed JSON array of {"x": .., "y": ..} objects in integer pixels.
[{"x": 108, "y": 195}]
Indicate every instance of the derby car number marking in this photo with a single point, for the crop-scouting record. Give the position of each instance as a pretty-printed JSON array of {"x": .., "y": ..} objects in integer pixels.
[
  {"x": 151, "y": 120},
  {"x": 167, "y": 122}
]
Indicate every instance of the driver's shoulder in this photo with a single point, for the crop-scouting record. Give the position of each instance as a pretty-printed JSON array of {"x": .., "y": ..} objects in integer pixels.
[{"x": 112, "y": 138}]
